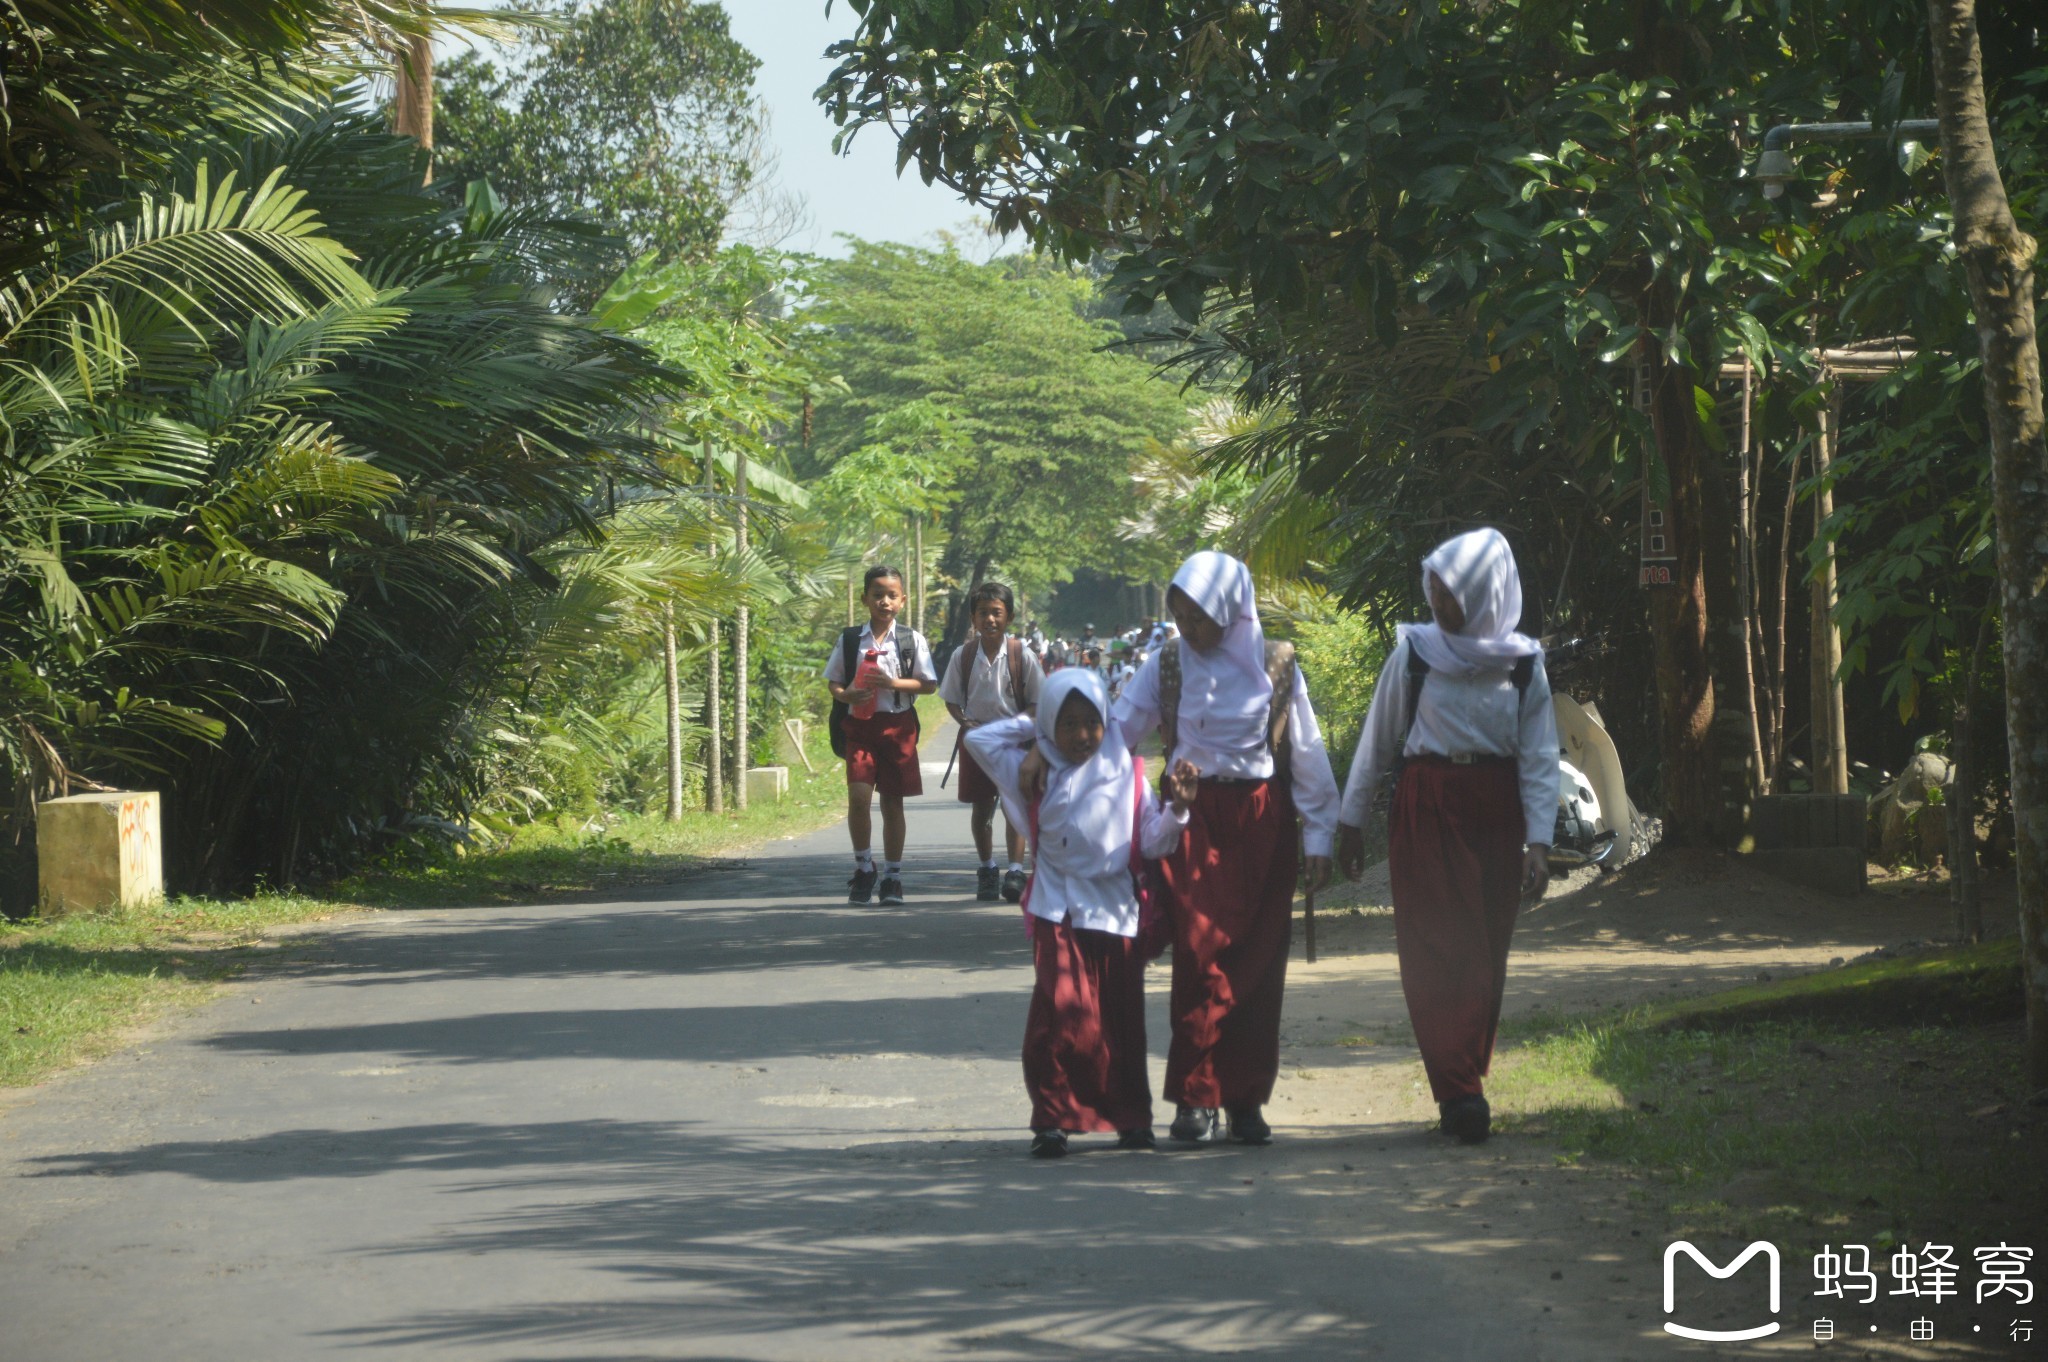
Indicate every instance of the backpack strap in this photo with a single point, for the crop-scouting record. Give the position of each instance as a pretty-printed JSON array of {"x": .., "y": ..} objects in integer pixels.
[
  {"x": 1169, "y": 701},
  {"x": 1015, "y": 648},
  {"x": 906, "y": 667},
  {"x": 849, "y": 651},
  {"x": 1418, "y": 672},
  {"x": 1280, "y": 665},
  {"x": 1524, "y": 672}
]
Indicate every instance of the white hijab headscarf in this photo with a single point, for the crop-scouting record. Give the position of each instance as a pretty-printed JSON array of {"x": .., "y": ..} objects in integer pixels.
[
  {"x": 1225, "y": 694},
  {"x": 1085, "y": 819},
  {"x": 1479, "y": 569}
]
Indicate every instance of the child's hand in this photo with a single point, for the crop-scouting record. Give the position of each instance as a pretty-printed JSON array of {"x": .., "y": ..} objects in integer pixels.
[
  {"x": 1031, "y": 775},
  {"x": 1183, "y": 782}
]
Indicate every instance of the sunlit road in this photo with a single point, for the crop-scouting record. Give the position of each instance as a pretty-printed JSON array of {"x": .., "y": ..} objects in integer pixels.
[{"x": 746, "y": 1121}]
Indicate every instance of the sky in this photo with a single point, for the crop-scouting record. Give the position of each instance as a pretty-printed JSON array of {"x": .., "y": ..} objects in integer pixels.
[{"x": 858, "y": 193}]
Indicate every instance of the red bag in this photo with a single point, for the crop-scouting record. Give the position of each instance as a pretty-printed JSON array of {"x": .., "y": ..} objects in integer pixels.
[{"x": 1155, "y": 929}]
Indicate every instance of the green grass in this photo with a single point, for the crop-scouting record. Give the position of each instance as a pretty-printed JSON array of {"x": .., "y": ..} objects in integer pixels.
[
  {"x": 580, "y": 856},
  {"x": 1783, "y": 1109},
  {"x": 1967, "y": 983},
  {"x": 70, "y": 986}
]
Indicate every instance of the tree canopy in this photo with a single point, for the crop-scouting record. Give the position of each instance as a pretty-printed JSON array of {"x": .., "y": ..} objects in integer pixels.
[
  {"x": 636, "y": 113},
  {"x": 1486, "y": 263},
  {"x": 1051, "y": 420}
]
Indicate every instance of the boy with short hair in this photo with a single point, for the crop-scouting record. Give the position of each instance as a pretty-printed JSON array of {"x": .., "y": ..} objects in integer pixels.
[
  {"x": 991, "y": 678},
  {"x": 881, "y": 749}
]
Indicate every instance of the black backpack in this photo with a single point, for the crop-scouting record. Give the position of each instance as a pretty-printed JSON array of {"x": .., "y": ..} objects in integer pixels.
[
  {"x": 849, "y": 647},
  {"x": 1522, "y": 673}
]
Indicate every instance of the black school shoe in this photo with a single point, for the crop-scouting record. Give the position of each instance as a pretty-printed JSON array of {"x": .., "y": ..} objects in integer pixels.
[
  {"x": 1140, "y": 1138},
  {"x": 1247, "y": 1126},
  {"x": 1013, "y": 885},
  {"x": 861, "y": 887},
  {"x": 1470, "y": 1119},
  {"x": 1195, "y": 1125},
  {"x": 988, "y": 884},
  {"x": 892, "y": 889},
  {"x": 1048, "y": 1144}
]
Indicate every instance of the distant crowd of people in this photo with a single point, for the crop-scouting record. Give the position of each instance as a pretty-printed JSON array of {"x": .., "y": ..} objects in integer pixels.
[
  {"x": 1458, "y": 752},
  {"x": 1115, "y": 657}
]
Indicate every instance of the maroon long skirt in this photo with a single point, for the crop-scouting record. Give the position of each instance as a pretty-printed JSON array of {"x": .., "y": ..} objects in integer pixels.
[
  {"x": 1455, "y": 861},
  {"x": 1084, "y": 1040},
  {"x": 1231, "y": 896}
]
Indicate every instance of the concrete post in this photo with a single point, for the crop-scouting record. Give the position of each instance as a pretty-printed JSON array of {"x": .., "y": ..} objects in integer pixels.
[{"x": 99, "y": 851}]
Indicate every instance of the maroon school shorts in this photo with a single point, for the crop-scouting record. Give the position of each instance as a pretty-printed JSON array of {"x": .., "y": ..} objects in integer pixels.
[
  {"x": 975, "y": 785},
  {"x": 882, "y": 752}
]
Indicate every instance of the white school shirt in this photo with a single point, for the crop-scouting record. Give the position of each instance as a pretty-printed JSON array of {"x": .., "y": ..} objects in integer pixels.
[
  {"x": 1479, "y": 714},
  {"x": 1105, "y": 903},
  {"x": 888, "y": 701},
  {"x": 1315, "y": 785},
  {"x": 980, "y": 684}
]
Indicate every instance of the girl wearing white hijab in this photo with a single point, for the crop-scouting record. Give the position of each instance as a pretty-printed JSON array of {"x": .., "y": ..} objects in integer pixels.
[
  {"x": 1231, "y": 881},
  {"x": 1469, "y": 832},
  {"x": 1084, "y": 1041}
]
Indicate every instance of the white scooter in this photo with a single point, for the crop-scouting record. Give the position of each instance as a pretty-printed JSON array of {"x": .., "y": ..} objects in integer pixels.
[{"x": 1597, "y": 823}]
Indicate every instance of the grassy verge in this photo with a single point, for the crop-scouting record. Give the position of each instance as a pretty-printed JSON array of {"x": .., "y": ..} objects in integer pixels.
[
  {"x": 579, "y": 856},
  {"x": 70, "y": 986},
  {"x": 1863, "y": 1097}
]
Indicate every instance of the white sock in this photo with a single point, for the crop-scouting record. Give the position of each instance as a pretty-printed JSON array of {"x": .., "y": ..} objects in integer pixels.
[
  {"x": 864, "y": 859},
  {"x": 1017, "y": 866},
  {"x": 892, "y": 867},
  {"x": 989, "y": 864}
]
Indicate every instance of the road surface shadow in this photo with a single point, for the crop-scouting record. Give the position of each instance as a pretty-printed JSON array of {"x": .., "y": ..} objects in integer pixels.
[{"x": 1317, "y": 1247}]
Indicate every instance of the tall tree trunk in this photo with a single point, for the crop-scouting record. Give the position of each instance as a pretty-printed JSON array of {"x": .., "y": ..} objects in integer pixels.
[
  {"x": 1722, "y": 547},
  {"x": 714, "y": 735},
  {"x": 412, "y": 113},
  {"x": 1998, "y": 259},
  {"x": 1745, "y": 583},
  {"x": 714, "y": 716},
  {"x": 673, "y": 686},
  {"x": 1964, "y": 893},
  {"x": 1829, "y": 724},
  {"x": 740, "y": 746},
  {"x": 1781, "y": 621},
  {"x": 1678, "y": 619}
]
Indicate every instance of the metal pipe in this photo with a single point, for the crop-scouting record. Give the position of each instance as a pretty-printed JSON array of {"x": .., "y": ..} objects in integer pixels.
[{"x": 1774, "y": 167}]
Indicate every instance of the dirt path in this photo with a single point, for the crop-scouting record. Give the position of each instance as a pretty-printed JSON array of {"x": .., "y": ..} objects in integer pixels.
[{"x": 1590, "y": 1239}]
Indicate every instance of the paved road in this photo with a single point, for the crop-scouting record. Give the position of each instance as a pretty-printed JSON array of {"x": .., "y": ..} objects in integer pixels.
[{"x": 742, "y": 1121}]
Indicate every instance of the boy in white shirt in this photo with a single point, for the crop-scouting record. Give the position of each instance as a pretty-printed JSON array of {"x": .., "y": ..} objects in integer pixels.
[
  {"x": 880, "y": 750},
  {"x": 994, "y": 677}
]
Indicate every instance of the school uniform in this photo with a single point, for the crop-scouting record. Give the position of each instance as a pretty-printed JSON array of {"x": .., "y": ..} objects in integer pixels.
[
  {"x": 1231, "y": 881},
  {"x": 985, "y": 690},
  {"x": 1478, "y": 782},
  {"x": 1084, "y": 1037},
  {"x": 881, "y": 750}
]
